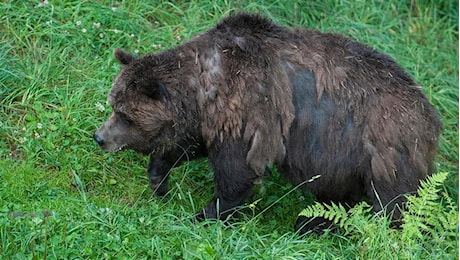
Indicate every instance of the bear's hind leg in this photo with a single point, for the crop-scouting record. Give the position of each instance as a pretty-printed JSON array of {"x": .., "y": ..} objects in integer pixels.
[
  {"x": 391, "y": 181},
  {"x": 390, "y": 200},
  {"x": 345, "y": 194}
]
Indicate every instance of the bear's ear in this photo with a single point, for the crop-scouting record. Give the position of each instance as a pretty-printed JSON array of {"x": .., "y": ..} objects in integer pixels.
[
  {"x": 123, "y": 57},
  {"x": 156, "y": 90}
]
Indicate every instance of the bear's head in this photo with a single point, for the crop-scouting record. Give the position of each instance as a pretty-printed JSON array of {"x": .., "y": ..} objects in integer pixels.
[{"x": 142, "y": 118}]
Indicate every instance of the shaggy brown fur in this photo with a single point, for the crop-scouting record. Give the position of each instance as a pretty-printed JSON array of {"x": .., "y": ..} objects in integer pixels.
[{"x": 249, "y": 93}]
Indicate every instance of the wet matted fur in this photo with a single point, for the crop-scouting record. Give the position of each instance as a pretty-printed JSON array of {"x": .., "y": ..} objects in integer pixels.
[{"x": 249, "y": 93}]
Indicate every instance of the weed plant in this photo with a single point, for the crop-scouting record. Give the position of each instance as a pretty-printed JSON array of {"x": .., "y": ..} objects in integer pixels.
[{"x": 61, "y": 197}]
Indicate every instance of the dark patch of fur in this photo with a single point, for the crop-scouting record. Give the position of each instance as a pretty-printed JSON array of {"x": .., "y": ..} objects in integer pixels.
[{"x": 254, "y": 93}]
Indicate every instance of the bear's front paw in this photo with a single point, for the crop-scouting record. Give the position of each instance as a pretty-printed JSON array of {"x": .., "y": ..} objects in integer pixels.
[
  {"x": 158, "y": 185},
  {"x": 161, "y": 190},
  {"x": 215, "y": 210},
  {"x": 209, "y": 212}
]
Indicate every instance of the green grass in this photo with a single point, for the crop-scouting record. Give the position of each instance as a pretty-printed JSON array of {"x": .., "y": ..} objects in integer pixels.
[{"x": 62, "y": 197}]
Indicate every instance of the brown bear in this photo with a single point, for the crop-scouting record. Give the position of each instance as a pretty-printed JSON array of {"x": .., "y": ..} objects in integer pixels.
[{"x": 249, "y": 93}]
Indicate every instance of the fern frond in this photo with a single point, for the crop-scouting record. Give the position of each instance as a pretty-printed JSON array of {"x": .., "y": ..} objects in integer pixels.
[
  {"x": 339, "y": 215},
  {"x": 430, "y": 214},
  {"x": 333, "y": 212}
]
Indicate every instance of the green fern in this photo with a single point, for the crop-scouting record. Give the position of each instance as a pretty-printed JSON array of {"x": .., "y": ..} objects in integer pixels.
[
  {"x": 334, "y": 212},
  {"x": 431, "y": 214},
  {"x": 345, "y": 219}
]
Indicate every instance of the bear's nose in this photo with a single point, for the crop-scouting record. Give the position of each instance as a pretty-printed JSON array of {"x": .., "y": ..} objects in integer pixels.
[{"x": 98, "y": 139}]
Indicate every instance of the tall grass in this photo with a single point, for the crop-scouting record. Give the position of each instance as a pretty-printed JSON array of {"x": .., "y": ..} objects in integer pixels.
[{"x": 61, "y": 197}]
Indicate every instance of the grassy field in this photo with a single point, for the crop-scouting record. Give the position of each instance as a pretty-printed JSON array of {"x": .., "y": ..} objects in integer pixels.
[{"x": 61, "y": 197}]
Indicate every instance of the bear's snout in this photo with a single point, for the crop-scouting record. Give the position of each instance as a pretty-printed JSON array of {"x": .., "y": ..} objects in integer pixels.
[{"x": 98, "y": 139}]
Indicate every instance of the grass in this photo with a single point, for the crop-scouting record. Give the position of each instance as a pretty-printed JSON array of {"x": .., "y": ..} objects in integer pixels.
[{"x": 62, "y": 197}]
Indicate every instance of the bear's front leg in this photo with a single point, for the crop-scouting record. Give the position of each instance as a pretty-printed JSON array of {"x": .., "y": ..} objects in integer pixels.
[
  {"x": 157, "y": 173},
  {"x": 233, "y": 179},
  {"x": 160, "y": 165}
]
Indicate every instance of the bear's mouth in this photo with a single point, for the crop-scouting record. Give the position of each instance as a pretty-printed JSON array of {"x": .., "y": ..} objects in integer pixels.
[
  {"x": 115, "y": 149},
  {"x": 120, "y": 148}
]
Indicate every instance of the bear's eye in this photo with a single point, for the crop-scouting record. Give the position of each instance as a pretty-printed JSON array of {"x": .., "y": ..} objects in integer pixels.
[{"x": 125, "y": 119}]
